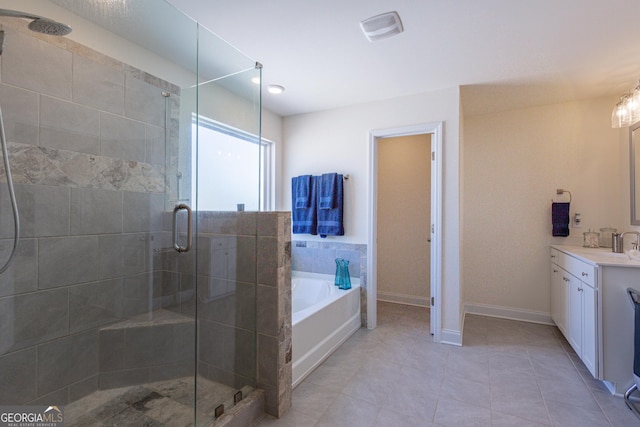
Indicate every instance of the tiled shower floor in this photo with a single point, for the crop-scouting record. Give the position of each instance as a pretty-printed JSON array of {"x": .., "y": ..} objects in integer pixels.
[{"x": 164, "y": 403}]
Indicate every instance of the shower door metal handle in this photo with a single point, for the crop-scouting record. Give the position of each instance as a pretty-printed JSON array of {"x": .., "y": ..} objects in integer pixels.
[{"x": 176, "y": 246}]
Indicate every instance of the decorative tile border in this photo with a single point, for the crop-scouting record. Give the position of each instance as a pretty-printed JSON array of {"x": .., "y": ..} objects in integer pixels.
[{"x": 31, "y": 164}]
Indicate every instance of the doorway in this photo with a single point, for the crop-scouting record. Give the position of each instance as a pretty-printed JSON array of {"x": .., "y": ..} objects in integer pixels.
[
  {"x": 404, "y": 206},
  {"x": 431, "y": 219}
]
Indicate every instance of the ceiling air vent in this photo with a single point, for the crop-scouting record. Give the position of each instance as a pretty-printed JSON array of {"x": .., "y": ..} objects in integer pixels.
[{"x": 382, "y": 26}]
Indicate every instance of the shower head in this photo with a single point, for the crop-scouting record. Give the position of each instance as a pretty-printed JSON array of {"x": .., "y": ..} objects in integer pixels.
[
  {"x": 46, "y": 26},
  {"x": 39, "y": 24}
]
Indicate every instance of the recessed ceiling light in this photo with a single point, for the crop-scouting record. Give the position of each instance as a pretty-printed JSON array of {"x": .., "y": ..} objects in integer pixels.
[
  {"x": 255, "y": 80},
  {"x": 275, "y": 89},
  {"x": 382, "y": 26}
]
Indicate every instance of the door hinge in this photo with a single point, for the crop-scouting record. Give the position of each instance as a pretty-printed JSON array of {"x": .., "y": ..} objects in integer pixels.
[
  {"x": 433, "y": 155},
  {"x": 433, "y": 302}
]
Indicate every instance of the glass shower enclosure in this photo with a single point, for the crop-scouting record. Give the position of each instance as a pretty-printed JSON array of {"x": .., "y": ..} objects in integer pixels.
[{"x": 127, "y": 303}]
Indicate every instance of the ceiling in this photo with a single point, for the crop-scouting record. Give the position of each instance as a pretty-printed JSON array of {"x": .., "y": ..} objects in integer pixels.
[{"x": 505, "y": 53}]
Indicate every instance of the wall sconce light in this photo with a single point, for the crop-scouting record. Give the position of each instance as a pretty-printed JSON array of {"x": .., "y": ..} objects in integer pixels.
[{"x": 627, "y": 110}]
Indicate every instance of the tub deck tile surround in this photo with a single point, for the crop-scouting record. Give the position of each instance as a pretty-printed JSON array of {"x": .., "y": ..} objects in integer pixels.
[{"x": 312, "y": 256}]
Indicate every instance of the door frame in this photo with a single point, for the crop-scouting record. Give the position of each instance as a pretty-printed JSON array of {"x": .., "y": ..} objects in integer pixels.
[{"x": 435, "y": 130}]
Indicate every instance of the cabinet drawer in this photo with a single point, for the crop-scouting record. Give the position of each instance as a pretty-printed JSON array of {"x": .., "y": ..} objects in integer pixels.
[{"x": 580, "y": 269}]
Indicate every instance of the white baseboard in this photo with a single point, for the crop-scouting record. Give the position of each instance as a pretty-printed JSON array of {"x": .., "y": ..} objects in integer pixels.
[
  {"x": 509, "y": 313},
  {"x": 448, "y": 336},
  {"x": 403, "y": 299}
]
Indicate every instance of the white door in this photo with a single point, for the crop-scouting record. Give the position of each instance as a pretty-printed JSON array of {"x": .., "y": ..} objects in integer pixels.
[
  {"x": 433, "y": 252},
  {"x": 435, "y": 218}
]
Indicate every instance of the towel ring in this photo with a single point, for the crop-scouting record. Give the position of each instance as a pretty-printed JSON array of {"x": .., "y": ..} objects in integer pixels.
[{"x": 561, "y": 191}]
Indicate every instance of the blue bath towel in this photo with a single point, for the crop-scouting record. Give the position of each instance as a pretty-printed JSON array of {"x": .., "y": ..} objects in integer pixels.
[
  {"x": 328, "y": 191},
  {"x": 304, "y": 220},
  {"x": 560, "y": 218},
  {"x": 330, "y": 221},
  {"x": 302, "y": 191}
]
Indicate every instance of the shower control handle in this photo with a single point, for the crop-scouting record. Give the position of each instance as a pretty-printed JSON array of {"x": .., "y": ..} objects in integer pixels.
[{"x": 176, "y": 246}]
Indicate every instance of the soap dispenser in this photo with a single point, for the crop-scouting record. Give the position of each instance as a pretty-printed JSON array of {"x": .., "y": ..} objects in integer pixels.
[{"x": 617, "y": 244}]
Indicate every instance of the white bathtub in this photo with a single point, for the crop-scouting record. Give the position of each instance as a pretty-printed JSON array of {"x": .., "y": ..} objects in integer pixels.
[{"x": 323, "y": 317}]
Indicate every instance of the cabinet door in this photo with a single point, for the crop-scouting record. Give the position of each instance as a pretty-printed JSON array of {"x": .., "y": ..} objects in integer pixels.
[
  {"x": 589, "y": 328},
  {"x": 557, "y": 297},
  {"x": 574, "y": 327},
  {"x": 563, "y": 302}
]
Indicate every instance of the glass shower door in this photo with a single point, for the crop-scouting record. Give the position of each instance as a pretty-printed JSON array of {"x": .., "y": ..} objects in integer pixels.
[
  {"x": 91, "y": 312},
  {"x": 225, "y": 170}
]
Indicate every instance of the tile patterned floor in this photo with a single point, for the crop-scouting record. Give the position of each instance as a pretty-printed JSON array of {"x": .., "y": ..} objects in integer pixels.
[{"x": 507, "y": 373}]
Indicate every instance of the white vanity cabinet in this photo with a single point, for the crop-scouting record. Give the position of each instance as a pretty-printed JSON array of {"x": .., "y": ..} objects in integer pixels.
[
  {"x": 573, "y": 301},
  {"x": 589, "y": 304}
]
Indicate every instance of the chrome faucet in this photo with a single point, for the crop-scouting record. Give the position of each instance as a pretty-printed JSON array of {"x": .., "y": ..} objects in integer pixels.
[{"x": 633, "y": 245}]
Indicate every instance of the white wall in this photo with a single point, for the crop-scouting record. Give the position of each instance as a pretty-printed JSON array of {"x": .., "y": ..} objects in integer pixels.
[
  {"x": 272, "y": 130},
  {"x": 338, "y": 140},
  {"x": 514, "y": 162}
]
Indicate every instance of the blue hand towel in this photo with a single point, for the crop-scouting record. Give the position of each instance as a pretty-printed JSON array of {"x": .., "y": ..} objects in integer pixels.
[
  {"x": 330, "y": 221},
  {"x": 328, "y": 191},
  {"x": 560, "y": 218},
  {"x": 304, "y": 220},
  {"x": 302, "y": 191}
]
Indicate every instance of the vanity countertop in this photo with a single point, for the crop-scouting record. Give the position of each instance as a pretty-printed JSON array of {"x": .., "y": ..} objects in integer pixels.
[{"x": 599, "y": 256}]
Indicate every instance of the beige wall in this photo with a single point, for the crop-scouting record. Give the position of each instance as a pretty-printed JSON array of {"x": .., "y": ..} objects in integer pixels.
[
  {"x": 514, "y": 161},
  {"x": 404, "y": 206}
]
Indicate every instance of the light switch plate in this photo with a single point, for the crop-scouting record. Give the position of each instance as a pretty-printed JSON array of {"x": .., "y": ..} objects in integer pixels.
[{"x": 576, "y": 221}]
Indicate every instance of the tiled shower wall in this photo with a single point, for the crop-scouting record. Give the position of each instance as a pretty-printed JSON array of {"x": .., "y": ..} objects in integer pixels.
[{"x": 87, "y": 149}]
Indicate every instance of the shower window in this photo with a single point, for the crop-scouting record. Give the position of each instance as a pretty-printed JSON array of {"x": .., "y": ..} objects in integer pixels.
[{"x": 228, "y": 178}]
